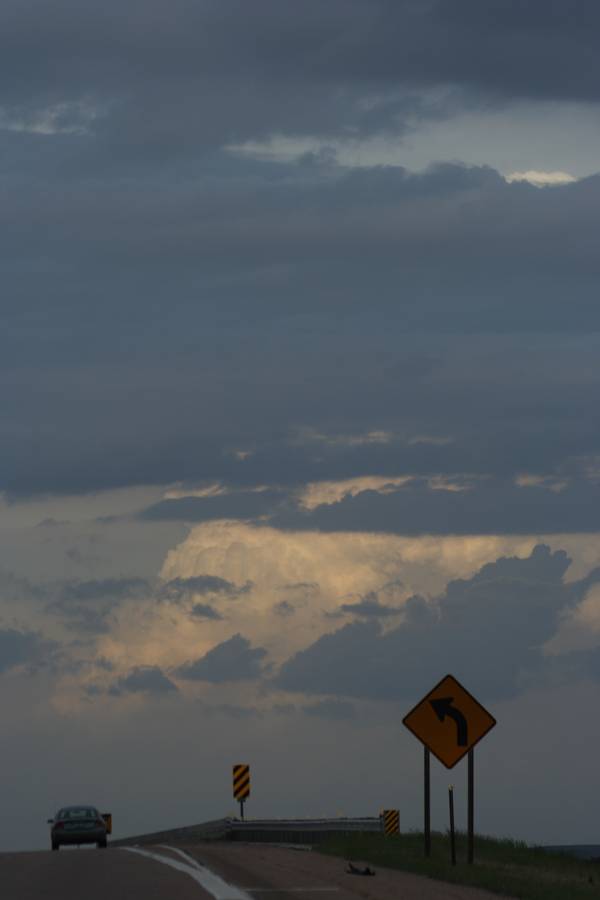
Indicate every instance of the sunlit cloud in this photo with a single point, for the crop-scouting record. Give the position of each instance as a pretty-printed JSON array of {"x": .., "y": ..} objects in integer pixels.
[
  {"x": 541, "y": 179},
  {"x": 359, "y": 439},
  {"x": 216, "y": 489},
  {"x": 550, "y": 482},
  {"x": 324, "y": 570},
  {"x": 449, "y": 483},
  {"x": 306, "y": 575},
  {"x": 293, "y": 587},
  {"x": 319, "y": 492},
  {"x": 68, "y": 118}
]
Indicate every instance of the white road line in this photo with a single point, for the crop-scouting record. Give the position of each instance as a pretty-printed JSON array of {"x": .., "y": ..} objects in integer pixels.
[
  {"x": 255, "y": 890},
  {"x": 189, "y": 859},
  {"x": 215, "y": 886}
]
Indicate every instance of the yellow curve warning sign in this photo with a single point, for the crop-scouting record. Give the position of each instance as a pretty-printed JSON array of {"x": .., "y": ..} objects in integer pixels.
[{"x": 449, "y": 721}]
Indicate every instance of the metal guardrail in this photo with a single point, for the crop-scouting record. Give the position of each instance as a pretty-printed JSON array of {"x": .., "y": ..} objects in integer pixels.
[
  {"x": 275, "y": 831},
  {"x": 298, "y": 831},
  {"x": 206, "y": 831}
]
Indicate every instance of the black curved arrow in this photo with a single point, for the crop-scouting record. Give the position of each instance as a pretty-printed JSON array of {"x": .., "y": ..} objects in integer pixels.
[{"x": 442, "y": 708}]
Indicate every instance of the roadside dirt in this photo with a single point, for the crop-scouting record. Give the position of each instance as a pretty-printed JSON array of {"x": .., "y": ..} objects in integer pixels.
[{"x": 274, "y": 873}]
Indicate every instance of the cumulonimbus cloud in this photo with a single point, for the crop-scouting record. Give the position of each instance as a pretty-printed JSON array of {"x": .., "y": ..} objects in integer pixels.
[{"x": 489, "y": 629}]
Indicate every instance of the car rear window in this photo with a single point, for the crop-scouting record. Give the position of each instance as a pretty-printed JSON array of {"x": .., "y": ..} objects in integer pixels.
[{"x": 78, "y": 812}]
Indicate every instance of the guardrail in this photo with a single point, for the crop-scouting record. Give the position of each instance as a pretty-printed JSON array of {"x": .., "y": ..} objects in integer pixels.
[
  {"x": 275, "y": 831},
  {"x": 206, "y": 831},
  {"x": 298, "y": 831}
]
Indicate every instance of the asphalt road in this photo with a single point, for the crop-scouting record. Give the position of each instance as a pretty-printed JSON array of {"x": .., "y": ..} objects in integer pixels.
[
  {"x": 215, "y": 871},
  {"x": 92, "y": 875}
]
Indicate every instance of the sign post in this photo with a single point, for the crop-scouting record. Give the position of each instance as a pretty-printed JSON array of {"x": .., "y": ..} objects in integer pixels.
[
  {"x": 452, "y": 842},
  {"x": 470, "y": 804},
  {"x": 241, "y": 785},
  {"x": 427, "y": 800},
  {"x": 449, "y": 721}
]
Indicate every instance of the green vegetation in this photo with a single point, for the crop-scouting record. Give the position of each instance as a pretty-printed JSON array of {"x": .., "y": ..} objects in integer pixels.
[{"x": 503, "y": 866}]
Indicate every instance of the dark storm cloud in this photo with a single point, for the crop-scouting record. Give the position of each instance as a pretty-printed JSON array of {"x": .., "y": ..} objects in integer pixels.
[
  {"x": 446, "y": 252},
  {"x": 233, "y": 660},
  {"x": 22, "y": 648},
  {"x": 239, "y": 504},
  {"x": 204, "y": 611},
  {"x": 469, "y": 505},
  {"x": 184, "y": 588},
  {"x": 83, "y": 606},
  {"x": 174, "y": 305},
  {"x": 369, "y": 608},
  {"x": 114, "y": 590},
  {"x": 87, "y": 606},
  {"x": 416, "y": 245},
  {"x": 83, "y": 619},
  {"x": 16, "y": 587},
  {"x": 143, "y": 679},
  {"x": 111, "y": 589},
  {"x": 213, "y": 72},
  {"x": 491, "y": 506},
  {"x": 488, "y": 630}
]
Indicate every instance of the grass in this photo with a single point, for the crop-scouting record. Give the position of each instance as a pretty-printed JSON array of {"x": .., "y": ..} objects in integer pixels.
[{"x": 502, "y": 866}]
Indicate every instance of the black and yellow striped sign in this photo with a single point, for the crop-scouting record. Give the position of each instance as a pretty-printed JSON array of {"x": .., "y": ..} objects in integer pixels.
[
  {"x": 391, "y": 821},
  {"x": 241, "y": 781}
]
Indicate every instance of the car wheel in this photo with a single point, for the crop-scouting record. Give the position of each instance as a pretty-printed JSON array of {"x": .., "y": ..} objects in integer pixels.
[
  {"x": 55, "y": 845},
  {"x": 101, "y": 845}
]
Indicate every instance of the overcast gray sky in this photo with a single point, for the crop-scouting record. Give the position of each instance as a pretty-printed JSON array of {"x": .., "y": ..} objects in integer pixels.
[{"x": 299, "y": 392}]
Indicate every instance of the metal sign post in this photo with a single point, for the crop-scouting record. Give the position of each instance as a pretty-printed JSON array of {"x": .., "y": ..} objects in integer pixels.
[
  {"x": 452, "y": 842},
  {"x": 427, "y": 800},
  {"x": 470, "y": 805}
]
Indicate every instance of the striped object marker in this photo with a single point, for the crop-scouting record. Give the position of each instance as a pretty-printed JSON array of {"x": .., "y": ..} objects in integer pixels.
[
  {"x": 241, "y": 785},
  {"x": 391, "y": 821}
]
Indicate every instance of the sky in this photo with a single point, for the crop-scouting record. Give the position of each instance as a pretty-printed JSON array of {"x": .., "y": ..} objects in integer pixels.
[{"x": 299, "y": 380}]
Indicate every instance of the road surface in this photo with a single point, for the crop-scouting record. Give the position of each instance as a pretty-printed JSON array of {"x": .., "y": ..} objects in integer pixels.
[{"x": 212, "y": 871}]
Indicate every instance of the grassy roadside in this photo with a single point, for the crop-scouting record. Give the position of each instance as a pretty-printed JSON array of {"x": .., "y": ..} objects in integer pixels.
[{"x": 502, "y": 866}]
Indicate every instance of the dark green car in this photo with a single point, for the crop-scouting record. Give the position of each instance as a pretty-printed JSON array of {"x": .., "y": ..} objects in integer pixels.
[{"x": 77, "y": 825}]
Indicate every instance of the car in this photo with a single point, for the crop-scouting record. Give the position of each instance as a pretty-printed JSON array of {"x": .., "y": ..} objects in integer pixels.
[{"x": 77, "y": 825}]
